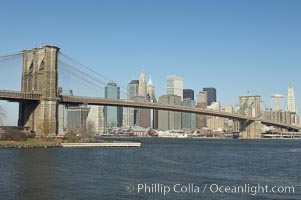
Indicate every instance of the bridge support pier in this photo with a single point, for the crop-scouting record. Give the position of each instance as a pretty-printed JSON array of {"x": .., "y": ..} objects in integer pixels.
[
  {"x": 40, "y": 75},
  {"x": 250, "y": 130}
]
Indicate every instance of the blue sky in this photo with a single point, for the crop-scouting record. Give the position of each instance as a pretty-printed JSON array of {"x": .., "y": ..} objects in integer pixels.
[{"x": 234, "y": 46}]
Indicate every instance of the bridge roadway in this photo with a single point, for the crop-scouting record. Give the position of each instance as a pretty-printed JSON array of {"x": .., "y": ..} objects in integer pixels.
[
  {"x": 77, "y": 100},
  {"x": 16, "y": 96},
  {"x": 159, "y": 106}
]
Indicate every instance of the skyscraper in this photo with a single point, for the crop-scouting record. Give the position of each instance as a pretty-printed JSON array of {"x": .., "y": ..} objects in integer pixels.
[
  {"x": 133, "y": 88},
  {"x": 291, "y": 106},
  {"x": 113, "y": 114},
  {"x": 169, "y": 120},
  {"x": 142, "y": 85},
  {"x": 151, "y": 96},
  {"x": 201, "y": 120},
  {"x": 201, "y": 100},
  {"x": 129, "y": 113},
  {"x": 211, "y": 95},
  {"x": 63, "y": 112},
  {"x": 142, "y": 116},
  {"x": 151, "y": 90},
  {"x": 188, "y": 119},
  {"x": 188, "y": 94},
  {"x": 175, "y": 86}
]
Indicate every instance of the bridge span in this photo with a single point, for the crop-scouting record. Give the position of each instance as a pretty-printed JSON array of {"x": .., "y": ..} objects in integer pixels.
[
  {"x": 159, "y": 106},
  {"x": 17, "y": 96}
]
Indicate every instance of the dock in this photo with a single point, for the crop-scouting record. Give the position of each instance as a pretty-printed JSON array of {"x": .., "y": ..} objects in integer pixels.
[{"x": 103, "y": 144}]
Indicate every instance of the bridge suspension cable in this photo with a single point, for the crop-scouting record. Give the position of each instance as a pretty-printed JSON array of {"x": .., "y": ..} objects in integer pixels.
[
  {"x": 82, "y": 73},
  {"x": 85, "y": 81},
  {"x": 91, "y": 70},
  {"x": 83, "y": 76},
  {"x": 10, "y": 55},
  {"x": 87, "y": 72}
]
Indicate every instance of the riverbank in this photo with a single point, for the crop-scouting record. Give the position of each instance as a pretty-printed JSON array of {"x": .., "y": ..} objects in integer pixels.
[
  {"x": 30, "y": 143},
  {"x": 41, "y": 143}
]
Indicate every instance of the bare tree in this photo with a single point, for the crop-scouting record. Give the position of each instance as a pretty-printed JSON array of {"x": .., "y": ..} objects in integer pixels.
[
  {"x": 88, "y": 130},
  {"x": 72, "y": 135},
  {"x": 2, "y": 115}
]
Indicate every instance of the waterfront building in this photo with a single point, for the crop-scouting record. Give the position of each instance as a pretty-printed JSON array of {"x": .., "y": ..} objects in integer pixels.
[
  {"x": 175, "y": 86},
  {"x": 77, "y": 117},
  {"x": 95, "y": 119}
]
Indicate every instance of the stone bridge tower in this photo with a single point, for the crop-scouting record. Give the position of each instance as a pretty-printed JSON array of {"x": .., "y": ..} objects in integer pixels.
[
  {"x": 40, "y": 75},
  {"x": 250, "y": 106}
]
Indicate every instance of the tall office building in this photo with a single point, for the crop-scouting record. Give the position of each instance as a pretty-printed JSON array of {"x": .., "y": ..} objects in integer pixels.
[
  {"x": 142, "y": 117},
  {"x": 133, "y": 88},
  {"x": 63, "y": 112},
  {"x": 201, "y": 99},
  {"x": 211, "y": 95},
  {"x": 113, "y": 114},
  {"x": 77, "y": 117},
  {"x": 291, "y": 99},
  {"x": 175, "y": 86},
  {"x": 201, "y": 120},
  {"x": 188, "y": 94},
  {"x": 229, "y": 123},
  {"x": 169, "y": 120},
  {"x": 129, "y": 113},
  {"x": 142, "y": 85},
  {"x": 215, "y": 123},
  {"x": 188, "y": 119},
  {"x": 151, "y": 94}
]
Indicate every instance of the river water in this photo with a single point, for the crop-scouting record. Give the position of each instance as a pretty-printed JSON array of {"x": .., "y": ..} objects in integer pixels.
[{"x": 159, "y": 169}]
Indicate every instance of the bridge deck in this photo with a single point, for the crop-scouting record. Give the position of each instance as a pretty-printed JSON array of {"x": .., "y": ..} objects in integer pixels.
[
  {"x": 19, "y": 96},
  {"x": 35, "y": 96}
]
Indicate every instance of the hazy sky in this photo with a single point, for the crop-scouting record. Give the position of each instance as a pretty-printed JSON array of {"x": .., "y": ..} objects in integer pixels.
[{"x": 234, "y": 46}]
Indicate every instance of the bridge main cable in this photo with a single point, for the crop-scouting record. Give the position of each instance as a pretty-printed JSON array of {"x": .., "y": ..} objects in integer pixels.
[
  {"x": 11, "y": 55},
  {"x": 90, "y": 69},
  {"x": 90, "y": 79}
]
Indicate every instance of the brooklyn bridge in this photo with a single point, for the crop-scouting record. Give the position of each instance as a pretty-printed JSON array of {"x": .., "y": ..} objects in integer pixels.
[{"x": 39, "y": 98}]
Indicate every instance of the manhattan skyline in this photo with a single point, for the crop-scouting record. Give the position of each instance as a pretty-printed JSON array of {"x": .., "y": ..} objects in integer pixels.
[{"x": 234, "y": 46}]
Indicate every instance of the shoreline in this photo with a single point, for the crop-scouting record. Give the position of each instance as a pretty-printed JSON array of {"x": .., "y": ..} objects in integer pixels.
[
  {"x": 37, "y": 143},
  {"x": 31, "y": 143}
]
